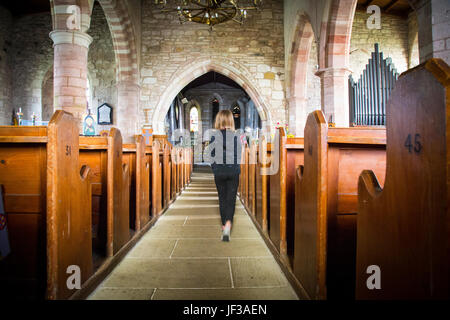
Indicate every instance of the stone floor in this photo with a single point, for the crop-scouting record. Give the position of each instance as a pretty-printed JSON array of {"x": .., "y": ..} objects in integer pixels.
[{"x": 182, "y": 256}]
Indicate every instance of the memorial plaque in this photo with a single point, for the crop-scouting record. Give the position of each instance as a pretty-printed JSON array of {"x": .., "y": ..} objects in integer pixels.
[{"x": 104, "y": 114}]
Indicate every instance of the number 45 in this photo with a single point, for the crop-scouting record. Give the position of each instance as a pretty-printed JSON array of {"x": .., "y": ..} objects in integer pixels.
[{"x": 417, "y": 147}]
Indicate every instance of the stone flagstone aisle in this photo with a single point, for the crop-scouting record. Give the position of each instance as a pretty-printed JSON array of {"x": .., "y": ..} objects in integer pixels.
[{"x": 182, "y": 256}]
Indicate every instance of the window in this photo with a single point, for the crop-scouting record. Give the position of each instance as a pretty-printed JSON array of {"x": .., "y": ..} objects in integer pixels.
[{"x": 194, "y": 119}]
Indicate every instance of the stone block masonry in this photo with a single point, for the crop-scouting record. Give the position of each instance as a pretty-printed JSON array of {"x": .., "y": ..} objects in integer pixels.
[
  {"x": 102, "y": 65},
  {"x": 5, "y": 67},
  {"x": 255, "y": 48},
  {"x": 31, "y": 57},
  {"x": 393, "y": 38}
]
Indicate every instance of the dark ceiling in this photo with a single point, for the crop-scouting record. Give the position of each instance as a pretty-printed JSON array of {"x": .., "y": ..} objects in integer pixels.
[
  {"x": 23, "y": 7},
  {"x": 396, "y": 7},
  {"x": 211, "y": 77}
]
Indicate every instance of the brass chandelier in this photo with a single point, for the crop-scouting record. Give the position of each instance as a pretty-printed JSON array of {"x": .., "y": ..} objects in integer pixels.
[{"x": 210, "y": 12}]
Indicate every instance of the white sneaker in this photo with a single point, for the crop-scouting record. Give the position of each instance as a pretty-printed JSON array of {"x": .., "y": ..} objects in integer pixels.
[{"x": 226, "y": 234}]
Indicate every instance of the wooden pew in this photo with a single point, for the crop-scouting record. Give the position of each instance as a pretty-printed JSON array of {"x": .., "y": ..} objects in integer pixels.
[
  {"x": 177, "y": 157},
  {"x": 156, "y": 178},
  {"x": 262, "y": 190},
  {"x": 110, "y": 192},
  {"x": 140, "y": 192},
  {"x": 188, "y": 163},
  {"x": 167, "y": 173},
  {"x": 47, "y": 203},
  {"x": 174, "y": 174},
  {"x": 326, "y": 204},
  {"x": 129, "y": 158},
  {"x": 252, "y": 178},
  {"x": 404, "y": 228},
  {"x": 191, "y": 164},
  {"x": 245, "y": 177},
  {"x": 163, "y": 158},
  {"x": 282, "y": 196}
]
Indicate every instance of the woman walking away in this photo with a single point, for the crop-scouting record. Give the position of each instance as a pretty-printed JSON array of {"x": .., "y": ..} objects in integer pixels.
[{"x": 227, "y": 170}]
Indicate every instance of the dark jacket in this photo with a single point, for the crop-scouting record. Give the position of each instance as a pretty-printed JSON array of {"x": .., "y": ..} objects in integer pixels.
[{"x": 233, "y": 151}]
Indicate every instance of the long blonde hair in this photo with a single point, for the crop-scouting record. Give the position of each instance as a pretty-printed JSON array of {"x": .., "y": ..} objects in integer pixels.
[{"x": 224, "y": 120}]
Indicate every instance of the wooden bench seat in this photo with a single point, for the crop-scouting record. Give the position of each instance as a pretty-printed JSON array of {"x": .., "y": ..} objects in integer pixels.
[
  {"x": 404, "y": 228},
  {"x": 110, "y": 191},
  {"x": 282, "y": 195},
  {"x": 326, "y": 204},
  {"x": 47, "y": 198}
]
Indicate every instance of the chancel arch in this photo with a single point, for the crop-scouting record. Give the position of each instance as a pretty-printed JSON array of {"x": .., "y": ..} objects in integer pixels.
[
  {"x": 206, "y": 96},
  {"x": 196, "y": 69}
]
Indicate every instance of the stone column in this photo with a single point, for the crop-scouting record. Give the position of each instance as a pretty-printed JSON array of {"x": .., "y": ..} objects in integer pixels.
[
  {"x": 434, "y": 29},
  {"x": 126, "y": 115},
  {"x": 242, "y": 115},
  {"x": 180, "y": 114},
  {"x": 172, "y": 120},
  {"x": 297, "y": 116},
  {"x": 335, "y": 95},
  {"x": 70, "y": 71}
]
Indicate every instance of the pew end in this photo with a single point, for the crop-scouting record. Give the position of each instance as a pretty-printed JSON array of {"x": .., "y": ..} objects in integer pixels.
[
  {"x": 403, "y": 230},
  {"x": 310, "y": 236}
]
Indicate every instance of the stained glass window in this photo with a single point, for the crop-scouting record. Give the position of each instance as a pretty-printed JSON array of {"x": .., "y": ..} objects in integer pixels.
[{"x": 194, "y": 119}]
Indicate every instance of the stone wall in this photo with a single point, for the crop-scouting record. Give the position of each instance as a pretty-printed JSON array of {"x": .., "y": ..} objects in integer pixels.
[
  {"x": 313, "y": 92},
  {"x": 393, "y": 40},
  {"x": 441, "y": 29},
  {"x": 5, "y": 67},
  {"x": 102, "y": 66},
  {"x": 255, "y": 48},
  {"x": 413, "y": 41},
  {"x": 31, "y": 58},
  {"x": 434, "y": 31},
  {"x": 317, "y": 12}
]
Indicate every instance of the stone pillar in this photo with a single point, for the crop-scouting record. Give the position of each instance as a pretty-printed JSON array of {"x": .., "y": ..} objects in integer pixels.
[
  {"x": 434, "y": 29},
  {"x": 172, "y": 120},
  {"x": 126, "y": 115},
  {"x": 335, "y": 95},
  {"x": 242, "y": 115},
  {"x": 180, "y": 114},
  {"x": 255, "y": 116},
  {"x": 70, "y": 71},
  {"x": 297, "y": 116}
]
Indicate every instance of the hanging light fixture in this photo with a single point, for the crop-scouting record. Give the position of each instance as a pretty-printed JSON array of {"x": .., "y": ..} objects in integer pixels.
[{"x": 210, "y": 12}]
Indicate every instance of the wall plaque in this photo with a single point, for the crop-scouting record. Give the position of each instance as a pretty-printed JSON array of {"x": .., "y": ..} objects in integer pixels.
[{"x": 105, "y": 115}]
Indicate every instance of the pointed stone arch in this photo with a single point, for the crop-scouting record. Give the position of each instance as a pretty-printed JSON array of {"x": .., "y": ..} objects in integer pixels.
[
  {"x": 296, "y": 89},
  {"x": 196, "y": 68},
  {"x": 334, "y": 61},
  {"x": 124, "y": 41},
  {"x": 125, "y": 50}
]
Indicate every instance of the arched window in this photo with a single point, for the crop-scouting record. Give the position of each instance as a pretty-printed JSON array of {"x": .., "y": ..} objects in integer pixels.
[{"x": 194, "y": 119}]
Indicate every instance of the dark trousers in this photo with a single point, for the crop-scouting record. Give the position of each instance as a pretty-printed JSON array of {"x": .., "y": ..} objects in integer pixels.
[{"x": 227, "y": 185}]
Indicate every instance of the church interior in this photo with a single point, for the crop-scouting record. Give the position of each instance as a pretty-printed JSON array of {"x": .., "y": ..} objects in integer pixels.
[{"x": 343, "y": 110}]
